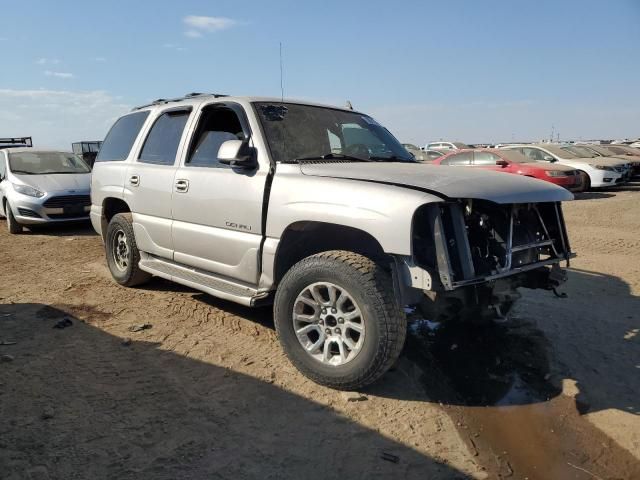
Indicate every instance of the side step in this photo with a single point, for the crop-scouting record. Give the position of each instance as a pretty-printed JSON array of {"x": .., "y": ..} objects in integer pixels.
[{"x": 192, "y": 277}]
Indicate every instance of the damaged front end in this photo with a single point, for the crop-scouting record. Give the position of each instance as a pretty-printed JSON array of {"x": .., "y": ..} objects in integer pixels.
[{"x": 470, "y": 256}]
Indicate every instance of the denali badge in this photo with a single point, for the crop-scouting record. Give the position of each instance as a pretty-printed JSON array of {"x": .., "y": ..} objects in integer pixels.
[{"x": 238, "y": 226}]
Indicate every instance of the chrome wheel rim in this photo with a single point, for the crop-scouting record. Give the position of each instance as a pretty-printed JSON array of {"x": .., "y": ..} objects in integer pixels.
[
  {"x": 120, "y": 250},
  {"x": 328, "y": 323}
]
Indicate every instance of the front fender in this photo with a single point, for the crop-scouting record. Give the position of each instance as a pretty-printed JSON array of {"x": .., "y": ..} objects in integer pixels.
[{"x": 383, "y": 211}]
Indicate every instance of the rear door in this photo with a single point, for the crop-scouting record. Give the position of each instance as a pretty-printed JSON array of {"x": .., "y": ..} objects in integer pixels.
[
  {"x": 217, "y": 209},
  {"x": 487, "y": 160},
  {"x": 149, "y": 181}
]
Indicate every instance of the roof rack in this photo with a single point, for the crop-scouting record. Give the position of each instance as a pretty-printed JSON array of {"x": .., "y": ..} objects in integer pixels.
[
  {"x": 161, "y": 101},
  {"x": 22, "y": 141}
]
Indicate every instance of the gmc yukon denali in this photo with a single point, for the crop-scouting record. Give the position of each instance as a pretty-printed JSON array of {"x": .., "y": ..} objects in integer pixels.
[{"x": 322, "y": 212}]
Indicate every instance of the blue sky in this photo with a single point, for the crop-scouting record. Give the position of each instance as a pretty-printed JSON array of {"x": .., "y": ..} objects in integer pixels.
[{"x": 492, "y": 70}]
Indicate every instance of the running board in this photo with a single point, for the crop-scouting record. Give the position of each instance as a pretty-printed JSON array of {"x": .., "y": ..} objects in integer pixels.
[{"x": 201, "y": 280}]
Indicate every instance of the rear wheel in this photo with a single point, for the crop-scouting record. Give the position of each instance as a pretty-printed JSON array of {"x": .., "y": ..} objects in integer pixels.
[
  {"x": 338, "y": 320},
  {"x": 12, "y": 224},
  {"x": 122, "y": 252}
]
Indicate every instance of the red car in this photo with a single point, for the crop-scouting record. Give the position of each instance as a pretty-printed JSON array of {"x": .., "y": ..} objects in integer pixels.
[{"x": 511, "y": 161}]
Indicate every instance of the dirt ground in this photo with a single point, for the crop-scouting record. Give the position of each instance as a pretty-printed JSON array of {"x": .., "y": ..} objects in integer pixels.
[{"x": 206, "y": 391}]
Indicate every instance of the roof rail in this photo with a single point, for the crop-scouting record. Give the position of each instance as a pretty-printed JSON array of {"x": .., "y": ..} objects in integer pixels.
[{"x": 161, "y": 101}]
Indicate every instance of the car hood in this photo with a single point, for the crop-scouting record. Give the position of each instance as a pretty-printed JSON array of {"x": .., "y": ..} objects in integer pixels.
[
  {"x": 58, "y": 182},
  {"x": 445, "y": 182}
]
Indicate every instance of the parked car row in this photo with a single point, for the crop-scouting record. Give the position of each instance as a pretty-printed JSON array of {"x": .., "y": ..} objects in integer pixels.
[
  {"x": 596, "y": 166},
  {"x": 315, "y": 209}
]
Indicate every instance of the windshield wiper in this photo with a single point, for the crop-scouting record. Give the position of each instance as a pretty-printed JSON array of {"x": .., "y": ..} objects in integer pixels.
[
  {"x": 332, "y": 156},
  {"x": 391, "y": 158},
  {"x": 22, "y": 172}
]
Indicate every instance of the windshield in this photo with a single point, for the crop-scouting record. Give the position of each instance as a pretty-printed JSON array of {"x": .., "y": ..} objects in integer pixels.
[
  {"x": 581, "y": 152},
  {"x": 42, "y": 163},
  {"x": 559, "y": 151},
  {"x": 296, "y": 132},
  {"x": 514, "y": 156}
]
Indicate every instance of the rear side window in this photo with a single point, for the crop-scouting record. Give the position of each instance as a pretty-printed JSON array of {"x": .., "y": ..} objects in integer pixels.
[
  {"x": 117, "y": 145},
  {"x": 162, "y": 142},
  {"x": 461, "y": 159}
]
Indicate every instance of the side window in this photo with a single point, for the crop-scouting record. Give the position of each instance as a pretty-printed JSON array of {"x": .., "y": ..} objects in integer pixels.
[
  {"x": 334, "y": 142},
  {"x": 458, "y": 160},
  {"x": 485, "y": 158},
  {"x": 217, "y": 125},
  {"x": 119, "y": 140},
  {"x": 533, "y": 153},
  {"x": 162, "y": 142}
]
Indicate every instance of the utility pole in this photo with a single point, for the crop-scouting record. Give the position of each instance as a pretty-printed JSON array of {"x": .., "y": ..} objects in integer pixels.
[{"x": 552, "y": 132}]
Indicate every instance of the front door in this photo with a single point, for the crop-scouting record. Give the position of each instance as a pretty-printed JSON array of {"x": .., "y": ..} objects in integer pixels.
[
  {"x": 149, "y": 183},
  {"x": 217, "y": 209}
]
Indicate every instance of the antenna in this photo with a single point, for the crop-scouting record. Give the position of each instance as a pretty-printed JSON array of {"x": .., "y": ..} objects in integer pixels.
[{"x": 281, "y": 75}]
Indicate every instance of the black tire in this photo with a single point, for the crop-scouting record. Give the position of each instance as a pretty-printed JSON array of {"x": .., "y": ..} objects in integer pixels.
[
  {"x": 12, "y": 224},
  {"x": 371, "y": 288},
  {"x": 585, "y": 180},
  {"x": 124, "y": 269}
]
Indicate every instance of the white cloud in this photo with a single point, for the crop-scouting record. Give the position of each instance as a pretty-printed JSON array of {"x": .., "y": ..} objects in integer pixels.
[
  {"x": 99, "y": 59},
  {"x": 56, "y": 118},
  {"x": 197, "y": 25},
  {"x": 173, "y": 46},
  {"x": 47, "y": 61},
  {"x": 49, "y": 73}
]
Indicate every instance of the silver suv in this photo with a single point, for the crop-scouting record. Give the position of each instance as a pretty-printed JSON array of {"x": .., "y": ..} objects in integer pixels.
[{"x": 322, "y": 212}]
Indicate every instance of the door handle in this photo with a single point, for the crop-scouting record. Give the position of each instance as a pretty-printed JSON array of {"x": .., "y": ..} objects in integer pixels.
[
  {"x": 182, "y": 185},
  {"x": 134, "y": 180}
]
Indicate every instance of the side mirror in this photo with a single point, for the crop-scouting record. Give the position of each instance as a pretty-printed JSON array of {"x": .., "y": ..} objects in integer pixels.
[
  {"x": 502, "y": 163},
  {"x": 548, "y": 158},
  {"x": 237, "y": 153}
]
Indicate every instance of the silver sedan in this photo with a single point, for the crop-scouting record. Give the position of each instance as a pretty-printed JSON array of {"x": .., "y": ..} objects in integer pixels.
[{"x": 43, "y": 186}]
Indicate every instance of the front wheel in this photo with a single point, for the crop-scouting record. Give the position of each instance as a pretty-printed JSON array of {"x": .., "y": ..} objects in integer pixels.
[
  {"x": 12, "y": 224},
  {"x": 585, "y": 181},
  {"x": 338, "y": 320},
  {"x": 122, "y": 252}
]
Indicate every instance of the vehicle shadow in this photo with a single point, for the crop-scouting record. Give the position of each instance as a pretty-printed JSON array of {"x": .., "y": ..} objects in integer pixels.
[
  {"x": 592, "y": 337},
  {"x": 80, "y": 400},
  {"x": 592, "y": 195},
  {"x": 595, "y": 335},
  {"x": 76, "y": 229}
]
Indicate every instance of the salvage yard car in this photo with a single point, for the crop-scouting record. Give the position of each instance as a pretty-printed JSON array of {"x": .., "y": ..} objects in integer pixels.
[
  {"x": 322, "y": 212},
  {"x": 594, "y": 172},
  {"x": 42, "y": 187},
  {"x": 511, "y": 161}
]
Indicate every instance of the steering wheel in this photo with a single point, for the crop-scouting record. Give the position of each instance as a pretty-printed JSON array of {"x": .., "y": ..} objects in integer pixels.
[{"x": 358, "y": 150}]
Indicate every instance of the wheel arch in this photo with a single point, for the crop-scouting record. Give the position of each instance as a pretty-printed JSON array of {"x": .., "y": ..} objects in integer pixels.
[
  {"x": 305, "y": 238},
  {"x": 110, "y": 207}
]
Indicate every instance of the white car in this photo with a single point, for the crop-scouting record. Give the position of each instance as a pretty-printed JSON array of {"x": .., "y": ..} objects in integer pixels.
[
  {"x": 595, "y": 172},
  {"x": 445, "y": 146}
]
